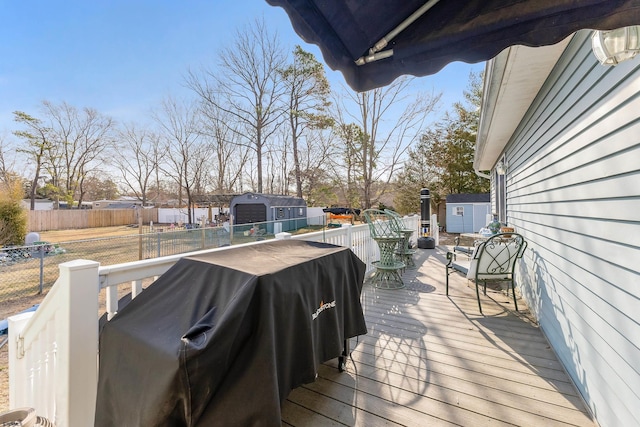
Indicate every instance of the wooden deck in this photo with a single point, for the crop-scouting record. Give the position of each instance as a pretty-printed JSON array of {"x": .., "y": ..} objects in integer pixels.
[{"x": 431, "y": 360}]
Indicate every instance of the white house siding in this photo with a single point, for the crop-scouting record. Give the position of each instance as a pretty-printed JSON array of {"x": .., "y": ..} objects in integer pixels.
[{"x": 573, "y": 190}]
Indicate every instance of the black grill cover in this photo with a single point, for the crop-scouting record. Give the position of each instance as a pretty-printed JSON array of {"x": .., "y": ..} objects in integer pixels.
[{"x": 221, "y": 339}]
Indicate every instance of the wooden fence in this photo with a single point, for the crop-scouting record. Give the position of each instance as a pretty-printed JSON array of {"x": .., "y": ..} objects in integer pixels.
[{"x": 72, "y": 219}]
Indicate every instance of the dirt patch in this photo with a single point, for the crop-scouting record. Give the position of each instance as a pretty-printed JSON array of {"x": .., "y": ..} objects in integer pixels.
[
  {"x": 446, "y": 239},
  {"x": 57, "y": 236}
]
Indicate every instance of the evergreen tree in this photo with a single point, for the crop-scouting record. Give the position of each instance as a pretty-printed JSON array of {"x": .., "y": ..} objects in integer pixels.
[
  {"x": 442, "y": 161},
  {"x": 307, "y": 98}
]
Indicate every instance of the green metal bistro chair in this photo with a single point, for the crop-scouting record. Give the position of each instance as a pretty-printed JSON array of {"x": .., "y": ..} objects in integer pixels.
[
  {"x": 383, "y": 231},
  {"x": 493, "y": 260},
  {"x": 403, "y": 250}
]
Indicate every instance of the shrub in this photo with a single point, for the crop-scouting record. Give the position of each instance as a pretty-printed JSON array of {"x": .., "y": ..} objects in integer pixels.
[{"x": 13, "y": 219}]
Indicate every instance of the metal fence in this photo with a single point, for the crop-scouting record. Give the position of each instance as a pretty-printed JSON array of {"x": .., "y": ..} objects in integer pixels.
[{"x": 31, "y": 270}]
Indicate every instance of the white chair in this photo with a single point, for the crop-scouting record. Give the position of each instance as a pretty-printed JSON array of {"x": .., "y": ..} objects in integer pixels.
[{"x": 493, "y": 260}]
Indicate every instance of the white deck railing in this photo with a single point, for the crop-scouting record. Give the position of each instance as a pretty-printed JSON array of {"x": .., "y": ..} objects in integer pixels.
[{"x": 53, "y": 351}]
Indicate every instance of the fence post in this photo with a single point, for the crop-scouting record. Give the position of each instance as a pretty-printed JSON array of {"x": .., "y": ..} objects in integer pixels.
[
  {"x": 140, "y": 237},
  {"x": 41, "y": 253}
]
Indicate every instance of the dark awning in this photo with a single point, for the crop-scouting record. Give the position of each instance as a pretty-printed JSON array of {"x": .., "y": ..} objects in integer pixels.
[{"x": 446, "y": 31}]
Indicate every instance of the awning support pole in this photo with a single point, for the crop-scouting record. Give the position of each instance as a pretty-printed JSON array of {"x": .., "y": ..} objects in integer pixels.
[{"x": 374, "y": 52}]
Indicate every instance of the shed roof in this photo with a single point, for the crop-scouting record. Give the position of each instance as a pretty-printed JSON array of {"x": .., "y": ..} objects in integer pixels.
[
  {"x": 469, "y": 198},
  {"x": 220, "y": 199},
  {"x": 272, "y": 199}
]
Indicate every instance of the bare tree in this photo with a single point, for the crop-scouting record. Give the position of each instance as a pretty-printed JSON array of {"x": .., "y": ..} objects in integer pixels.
[
  {"x": 277, "y": 168},
  {"x": 316, "y": 178},
  {"x": 382, "y": 145},
  {"x": 346, "y": 169},
  {"x": 247, "y": 86},
  {"x": 8, "y": 173},
  {"x": 100, "y": 188},
  {"x": 229, "y": 159},
  {"x": 137, "y": 160},
  {"x": 185, "y": 156},
  {"x": 80, "y": 139}
]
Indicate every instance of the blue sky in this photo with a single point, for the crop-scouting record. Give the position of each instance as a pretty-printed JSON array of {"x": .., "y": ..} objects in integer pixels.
[{"x": 122, "y": 57}]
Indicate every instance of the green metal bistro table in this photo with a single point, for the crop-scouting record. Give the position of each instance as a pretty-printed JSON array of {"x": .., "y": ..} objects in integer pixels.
[
  {"x": 403, "y": 251},
  {"x": 387, "y": 236}
]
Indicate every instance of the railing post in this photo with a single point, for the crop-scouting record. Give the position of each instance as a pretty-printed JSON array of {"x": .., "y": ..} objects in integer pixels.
[
  {"x": 139, "y": 235},
  {"x": 435, "y": 229},
  {"x": 77, "y": 377},
  {"x": 53, "y": 351},
  {"x": 111, "y": 301},
  {"x": 136, "y": 288},
  {"x": 348, "y": 236},
  {"x": 18, "y": 364}
]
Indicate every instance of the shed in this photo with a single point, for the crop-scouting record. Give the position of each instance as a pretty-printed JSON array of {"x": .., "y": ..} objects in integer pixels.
[
  {"x": 39, "y": 205},
  {"x": 251, "y": 208},
  {"x": 467, "y": 213}
]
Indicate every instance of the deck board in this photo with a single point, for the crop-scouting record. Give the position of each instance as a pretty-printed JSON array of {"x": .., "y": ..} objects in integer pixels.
[{"x": 429, "y": 359}]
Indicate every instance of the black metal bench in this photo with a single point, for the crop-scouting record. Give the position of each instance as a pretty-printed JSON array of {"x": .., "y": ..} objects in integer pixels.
[{"x": 468, "y": 250}]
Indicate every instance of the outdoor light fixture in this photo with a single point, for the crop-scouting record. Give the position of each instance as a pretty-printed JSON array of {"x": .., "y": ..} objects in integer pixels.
[
  {"x": 501, "y": 168},
  {"x": 614, "y": 46}
]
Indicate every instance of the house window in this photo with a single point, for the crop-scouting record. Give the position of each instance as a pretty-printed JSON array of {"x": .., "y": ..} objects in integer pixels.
[
  {"x": 280, "y": 213},
  {"x": 459, "y": 211},
  {"x": 300, "y": 211}
]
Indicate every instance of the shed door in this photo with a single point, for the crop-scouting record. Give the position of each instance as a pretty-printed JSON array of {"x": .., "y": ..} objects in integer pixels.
[
  {"x": 480, "y": 214},
  {"x": 250, "y": 212}
]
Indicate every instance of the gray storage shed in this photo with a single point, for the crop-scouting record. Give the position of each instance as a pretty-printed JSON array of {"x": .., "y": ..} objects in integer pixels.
[
  {"x": 252, "y": 208},
  {"x": 467, "y": 213}
]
